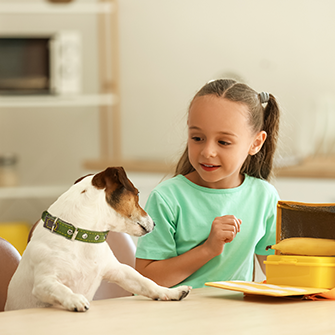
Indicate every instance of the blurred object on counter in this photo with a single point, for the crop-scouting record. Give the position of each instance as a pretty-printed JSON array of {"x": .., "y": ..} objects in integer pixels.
[
  {"x": 60, "y": 1},
  {"x": 310, "y": 167},
  {"x": 8, "y": 170}
]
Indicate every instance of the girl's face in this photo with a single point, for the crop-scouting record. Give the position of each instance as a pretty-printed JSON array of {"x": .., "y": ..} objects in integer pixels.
[{"x": 219, "y": 141}]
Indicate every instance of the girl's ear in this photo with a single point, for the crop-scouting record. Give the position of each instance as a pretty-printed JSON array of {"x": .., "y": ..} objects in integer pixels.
[{"x": 258, "y": 143}]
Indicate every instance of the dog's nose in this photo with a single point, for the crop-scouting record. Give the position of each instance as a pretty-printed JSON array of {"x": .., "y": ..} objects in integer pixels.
[{"x": 154, "y": 224}]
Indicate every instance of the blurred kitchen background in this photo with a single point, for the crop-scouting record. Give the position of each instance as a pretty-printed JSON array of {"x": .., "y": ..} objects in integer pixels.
[{"x": 87, "y": 84}]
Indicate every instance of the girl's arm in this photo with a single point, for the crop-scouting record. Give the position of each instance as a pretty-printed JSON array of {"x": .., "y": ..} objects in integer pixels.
[{"x": 172, "y": 271}]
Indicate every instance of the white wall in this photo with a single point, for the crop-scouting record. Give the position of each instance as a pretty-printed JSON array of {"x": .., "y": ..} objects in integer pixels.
[{"x": 171, "y": 48}]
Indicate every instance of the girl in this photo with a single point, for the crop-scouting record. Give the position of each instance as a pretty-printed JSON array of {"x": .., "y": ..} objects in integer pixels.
[{"x": 218, "y": 210}]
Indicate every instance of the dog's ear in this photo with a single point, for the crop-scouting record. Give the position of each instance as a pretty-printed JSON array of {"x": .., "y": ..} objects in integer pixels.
[
  {"x": 123, "y": 179},
  {"x": 80, "y": 179},
  {"x": 112, "y": 178}
]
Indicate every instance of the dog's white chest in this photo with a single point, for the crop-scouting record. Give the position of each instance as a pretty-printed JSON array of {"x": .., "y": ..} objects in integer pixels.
[{"x": 77, "y": 265}]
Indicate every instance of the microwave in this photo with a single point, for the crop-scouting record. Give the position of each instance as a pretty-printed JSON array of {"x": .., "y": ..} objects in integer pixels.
[{"x": 41, "y": 64}]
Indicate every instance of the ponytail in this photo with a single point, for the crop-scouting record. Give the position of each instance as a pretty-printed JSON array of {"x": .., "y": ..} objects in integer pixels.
[
  {"x": 184, "y": 166},
  {"x": 260, "y": 165}
]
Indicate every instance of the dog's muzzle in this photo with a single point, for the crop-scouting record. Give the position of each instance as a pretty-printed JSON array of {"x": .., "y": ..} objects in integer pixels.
[
  {"x": 146, "y": 226},
  {"x": 143, "y": 228}
]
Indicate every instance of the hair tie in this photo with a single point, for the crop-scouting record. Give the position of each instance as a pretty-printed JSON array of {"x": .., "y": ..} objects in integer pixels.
[{"x": 264, "y": 97}]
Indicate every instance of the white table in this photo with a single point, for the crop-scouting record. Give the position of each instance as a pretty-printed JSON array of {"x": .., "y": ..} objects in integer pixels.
[{"x": 205, "y": 311}]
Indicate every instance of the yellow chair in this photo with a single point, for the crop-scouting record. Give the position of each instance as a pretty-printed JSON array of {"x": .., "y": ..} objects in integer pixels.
[
  {"x": 9, "y": 260},
  {"x": 16, "y": 233}
]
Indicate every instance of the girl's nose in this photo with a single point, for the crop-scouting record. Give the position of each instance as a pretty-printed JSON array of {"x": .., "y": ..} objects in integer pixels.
[{"x": 209, "y": 150}]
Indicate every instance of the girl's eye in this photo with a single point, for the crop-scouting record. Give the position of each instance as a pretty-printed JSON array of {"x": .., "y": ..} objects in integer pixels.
[
  {"x": 224, "y": 143},
  {"x": 196, "y": 138}
]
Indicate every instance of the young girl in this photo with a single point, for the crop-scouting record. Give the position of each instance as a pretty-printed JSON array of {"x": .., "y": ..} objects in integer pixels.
[{"x": 218, "y": 210}]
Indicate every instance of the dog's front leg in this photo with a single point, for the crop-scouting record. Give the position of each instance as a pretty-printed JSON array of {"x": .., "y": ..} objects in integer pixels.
[
  {"x": 132, "y": 281},
  {"x": 50, "y": 290}
]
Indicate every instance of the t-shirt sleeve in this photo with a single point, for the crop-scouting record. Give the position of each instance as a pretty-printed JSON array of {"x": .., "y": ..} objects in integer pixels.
[
  {"x": 269, "y": 237},
  {"x": 160, "y": 243}
]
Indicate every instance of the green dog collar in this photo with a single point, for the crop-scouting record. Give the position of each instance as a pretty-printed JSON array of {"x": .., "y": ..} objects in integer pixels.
[{"x": 58, "y": 226}]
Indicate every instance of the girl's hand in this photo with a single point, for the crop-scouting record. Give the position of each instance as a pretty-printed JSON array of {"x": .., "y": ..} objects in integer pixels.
[{"x": 224, "y": 230}]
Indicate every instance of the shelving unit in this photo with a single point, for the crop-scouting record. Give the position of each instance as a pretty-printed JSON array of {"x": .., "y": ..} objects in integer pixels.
[
  {"x": 108, "y": 100},
  {"x": 60, "y": 101},
  {"x": 31, "y": 192},
  {"x": 103, "y": 7}
]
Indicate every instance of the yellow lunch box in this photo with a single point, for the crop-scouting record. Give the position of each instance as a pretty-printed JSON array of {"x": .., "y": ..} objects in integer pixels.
[
  {"x": 296, "y": 219},
  {"x": 303, "y": 271}
]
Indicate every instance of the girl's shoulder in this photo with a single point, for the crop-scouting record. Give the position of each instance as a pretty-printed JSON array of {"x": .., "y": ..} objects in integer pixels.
[
  {"x": 178, "y": 188},
  {"x": 170, "y": 185},
  {"x": 261, "y": 186},
  {"x": 259, "y": 182},
  {"x": 170, "y": 192}
]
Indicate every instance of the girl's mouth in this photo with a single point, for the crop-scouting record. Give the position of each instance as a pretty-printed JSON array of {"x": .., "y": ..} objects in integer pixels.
[{"x": 209, "y": 167}]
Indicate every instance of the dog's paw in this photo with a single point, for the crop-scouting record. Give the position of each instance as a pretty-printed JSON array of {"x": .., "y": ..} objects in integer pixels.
[
  {"x": 76, "y": 303},
  {"x": 177, "y": 293},
  {"x": 183, "y": 292}
]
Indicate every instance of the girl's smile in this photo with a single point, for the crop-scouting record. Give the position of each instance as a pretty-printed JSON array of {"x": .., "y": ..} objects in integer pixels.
[
  {"x": 209, "y": 167},
  {"x": 219, "y": 141}
]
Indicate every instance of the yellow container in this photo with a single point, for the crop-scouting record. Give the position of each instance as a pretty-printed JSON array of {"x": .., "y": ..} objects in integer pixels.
[
  {"x": 304, "y": 271},
  {"x": 16, "y": 233}
]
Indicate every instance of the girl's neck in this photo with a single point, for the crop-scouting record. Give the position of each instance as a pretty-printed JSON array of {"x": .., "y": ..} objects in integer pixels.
[{"x": 229, "y": 182}]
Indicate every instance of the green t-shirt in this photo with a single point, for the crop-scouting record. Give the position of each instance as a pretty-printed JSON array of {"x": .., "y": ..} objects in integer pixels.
[{"x": 184, "y": 212}]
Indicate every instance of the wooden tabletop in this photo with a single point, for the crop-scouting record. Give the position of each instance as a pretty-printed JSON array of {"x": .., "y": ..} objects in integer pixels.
[{"x": 205, "y": 311}]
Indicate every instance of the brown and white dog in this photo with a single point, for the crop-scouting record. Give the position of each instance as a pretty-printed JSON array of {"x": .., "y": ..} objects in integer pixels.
[{"x": 67, "y": 270}]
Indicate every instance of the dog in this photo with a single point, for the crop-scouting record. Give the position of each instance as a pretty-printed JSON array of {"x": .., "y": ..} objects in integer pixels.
[{"x": 67, "y": 256}]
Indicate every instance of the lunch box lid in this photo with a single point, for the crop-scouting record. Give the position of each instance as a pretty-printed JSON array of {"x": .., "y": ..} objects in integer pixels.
[
  {"x": 297, "y": 219},
  {"x": 300, "y": 260}
]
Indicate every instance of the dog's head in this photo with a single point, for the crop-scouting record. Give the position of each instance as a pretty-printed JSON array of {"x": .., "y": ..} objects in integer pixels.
[{"x": 122, "y": 196}]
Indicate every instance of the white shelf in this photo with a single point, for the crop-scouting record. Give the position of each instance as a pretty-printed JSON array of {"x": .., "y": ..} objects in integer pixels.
[
  {"x": 31, "y": 192},
  {"x": 58, "y": 101},
  {"x": 49, "y": 8}
]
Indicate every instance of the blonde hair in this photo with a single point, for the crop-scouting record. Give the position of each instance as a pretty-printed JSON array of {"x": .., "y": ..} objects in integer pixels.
[{"x": 259, "y": 117}]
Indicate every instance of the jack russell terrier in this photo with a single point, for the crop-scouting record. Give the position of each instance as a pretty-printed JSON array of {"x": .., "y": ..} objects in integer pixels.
[{"x": 67, "y": 257}]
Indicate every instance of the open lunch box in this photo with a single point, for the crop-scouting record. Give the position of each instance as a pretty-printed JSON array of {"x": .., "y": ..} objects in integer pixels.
[
  {"x": 289, "y": 275},
  {"x": 303, "y": 220}
]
